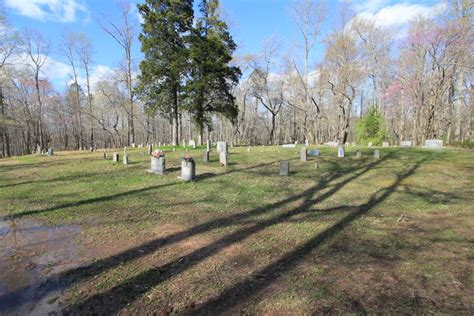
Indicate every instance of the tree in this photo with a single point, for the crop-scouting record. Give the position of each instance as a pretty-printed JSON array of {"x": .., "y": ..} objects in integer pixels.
[
  {"x": 211, "y": 78},
  {"x": 166, "y": 25},
  {"x": 371, "y": 128}
]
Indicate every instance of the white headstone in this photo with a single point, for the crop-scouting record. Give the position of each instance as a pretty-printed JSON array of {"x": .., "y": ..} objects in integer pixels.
[
  {"x": 221, "y": 147},
  {"x": 405, "y": 143},
  {"x": 223, "y": 158},
  {"x": 434, "y": 143},
  {"x": 340, "y": 151}
]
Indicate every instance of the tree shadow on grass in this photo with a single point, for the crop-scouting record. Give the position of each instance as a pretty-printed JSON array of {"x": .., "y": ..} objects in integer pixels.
[{"x": 119, "y": 296}]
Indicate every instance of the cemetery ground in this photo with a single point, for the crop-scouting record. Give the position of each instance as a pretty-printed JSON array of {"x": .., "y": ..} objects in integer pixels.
[{"x": 82, "y": 234}]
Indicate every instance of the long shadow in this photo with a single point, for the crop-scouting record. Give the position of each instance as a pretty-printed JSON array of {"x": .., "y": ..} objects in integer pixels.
[
  {"x": 117, "y": 195},
  {"x": 262, "y": 278},
  {"x": 125, "y": 293}
]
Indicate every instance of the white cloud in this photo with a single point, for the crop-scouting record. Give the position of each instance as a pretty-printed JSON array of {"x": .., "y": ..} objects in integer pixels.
[
  {"x": 48, "y": 10},
  {"x": 370, "y": 5}
]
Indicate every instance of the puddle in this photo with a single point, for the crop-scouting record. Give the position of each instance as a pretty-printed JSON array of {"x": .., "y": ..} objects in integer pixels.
[{"x": 30, "y": 254}]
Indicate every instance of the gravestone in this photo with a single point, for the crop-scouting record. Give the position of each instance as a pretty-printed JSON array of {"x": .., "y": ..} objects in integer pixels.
[
  {"x": 50, "y": 152},
  {"x": 287, "y": 146},
  {"x": 370, "y": 144},
  {"x": 385, "y": 144},
  {"x": 150, "y": 149},
  {"x": 405, "y": 144},
  {"x": 332, "y": 144},
  {"x": 115, "y": 157},
  {"x": 306, "y": 142},
  {"x": 158, "y": 165},
  {"x": 208, "y": 143},
  {"x": 223, "y": 158},
  {"x": 248, "y": 149},
  {"x": 205, "y": 158},
  {"x": 105, "y": 155},
  {"x": 125, "y": 159},
  {"x": 221, "y": 147},
  {"x": 284, "y": 168},
  {"x": 376, "y": 154},
  {"x": 91, "y": 149},
  {"x": 133, "y": 145},
  {"x": 38, "y": 150},
  {"x": 314, "y": 152},
  {"x": 188, "y": 170},
  {"x": 434, "y": 143},
  {"x": 304, "y": 154},
  {"x": 340, "y": 151},
  {"x": 358, "y": 154},
  {"x": 192, "y": 143}
]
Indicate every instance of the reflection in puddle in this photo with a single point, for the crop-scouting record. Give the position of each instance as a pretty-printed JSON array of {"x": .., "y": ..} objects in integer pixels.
[{"x": 29, "y": 254}]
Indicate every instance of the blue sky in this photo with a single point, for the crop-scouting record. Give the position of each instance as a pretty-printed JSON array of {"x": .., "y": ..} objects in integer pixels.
[{"x": 251, "y": 22}]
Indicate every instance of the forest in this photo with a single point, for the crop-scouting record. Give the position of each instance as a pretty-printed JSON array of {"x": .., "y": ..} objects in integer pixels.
[{"x": 191, "y": 82}]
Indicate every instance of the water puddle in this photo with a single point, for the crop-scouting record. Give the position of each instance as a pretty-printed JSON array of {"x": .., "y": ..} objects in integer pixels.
[{"x": 31, "y": 255}]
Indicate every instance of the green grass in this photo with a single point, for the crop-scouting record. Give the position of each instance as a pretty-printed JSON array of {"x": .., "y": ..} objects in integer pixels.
[{"x": 353, "y": 235}]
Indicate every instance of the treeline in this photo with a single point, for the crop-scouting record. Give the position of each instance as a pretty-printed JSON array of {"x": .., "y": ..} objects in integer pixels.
[{"x": 190, "y": 83}]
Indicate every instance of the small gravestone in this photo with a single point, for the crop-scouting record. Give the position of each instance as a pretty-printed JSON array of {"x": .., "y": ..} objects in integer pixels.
[
  {"x": 385, "y": 144},
  {"x": 221, "y": 147},
  {"x": 125, "y": 159},
  {"x": 188, "y": 169},
  {"x": 340, "y": 151},
  {"x": 205, "y": 157},
  {"x": 376, "y": 154},
  {"x": 208, "y": 144},
  {"x": 150, "y": 149},
  {"x": 192, "y": 143},
  {"x": 405, "y": 144},
  {"x": 314, "y": 152},
  {"x": 316, "y": 165},
  {"x": 158, "y": 165},
  {"x": 223, "y": 158},
  {"x": 91, "y": 149},
  {"x": 287, "y": 146},
  {"x": 115, "y": 157},
  {"x": 358, "y": 154},
  {"x": 38, "y": 150},
  {"x": 332, "y": 144},
  {"x": 133, "y": 145},
  {"x": 284, "y": 168},
  {"x": 434, "y": 143},
  {"x": 303, "y": 154},
  {"x": 248, "y": 149},
  {"x": 50, "y": 152}
]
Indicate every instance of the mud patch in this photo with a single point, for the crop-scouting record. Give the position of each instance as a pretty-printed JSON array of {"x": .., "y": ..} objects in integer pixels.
[{"x": 30, "y": 254}]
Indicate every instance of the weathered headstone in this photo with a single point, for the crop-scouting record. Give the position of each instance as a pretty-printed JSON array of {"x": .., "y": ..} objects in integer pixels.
[
  {"x": 284, "y": 168},
  {"x": 304, "y": 154},
  {"x": 287, "y": 146},
  {"x": 221, "y": 147},
  {"x": 125, "y": 159},
  {"x": 115, "y": 157},
  {"x": 358, "y": 154},
  {"x": 50, "y": 152},
  {"x": 405, "y": 143},
  {"x": 376, "y": 154},
  {"x": 385, "y": 144},
  {"x": 150, "y": 149},
  {"x": 205, "y": 158},
  {"x": 434, "y": 143},
  {"x": 314, "y": 152},
  {"x": 158, "y": 165},
  {"x": 188, "y": 170},
  {"x": 340, "y": 151},
  {"x": 223, "y": 158}
]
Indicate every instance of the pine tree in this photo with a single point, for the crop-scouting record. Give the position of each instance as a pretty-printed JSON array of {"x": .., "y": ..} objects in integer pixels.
[
  {"x": 165, "y": 31},
  {"x": 211, "y": 78}
]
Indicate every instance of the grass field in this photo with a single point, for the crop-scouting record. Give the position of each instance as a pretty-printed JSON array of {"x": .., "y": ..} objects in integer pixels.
[{"x": 348, "y": 236}]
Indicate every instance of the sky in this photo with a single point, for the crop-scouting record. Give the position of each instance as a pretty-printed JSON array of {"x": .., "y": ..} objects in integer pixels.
[{"x": 251, "y": 22}]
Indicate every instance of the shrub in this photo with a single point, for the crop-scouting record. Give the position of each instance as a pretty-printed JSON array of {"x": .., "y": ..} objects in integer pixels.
[{"x": 371, "y": 128}]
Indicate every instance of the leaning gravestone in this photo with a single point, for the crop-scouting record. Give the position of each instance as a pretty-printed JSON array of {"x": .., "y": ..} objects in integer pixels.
[
  {"x": 115, "y": 157},
  {"x": 314, "y": 152},
  {"x": 125, "y": 159},
  {"x": 405, "y": 143},
  {"x": 284, "y": 168},
  {"x": 223, "y": 158},
  {"x": 434, "y": 143},
  {"x": 359, "y": 154},
  {"x": 221, "y": 147},
  {"x": 340, "y": 151},
  {"x": 50, "y": 152},
  {"x": 376, "y": 154},
  {"x": 304, "y": 154},
  {"x": 385, "y": 144},
  {"x": 205, "y": 157},
  {"x": 188, "y": 170}
]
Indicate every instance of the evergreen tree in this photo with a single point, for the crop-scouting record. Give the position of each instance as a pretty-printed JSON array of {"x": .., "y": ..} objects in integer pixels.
[
  {"x": 165, "y": 31},
  {"x": 371, "y": 128},
  {"x": 211, "y": 78}
]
